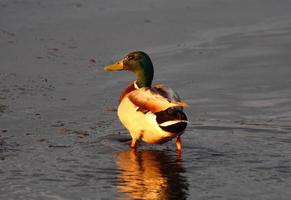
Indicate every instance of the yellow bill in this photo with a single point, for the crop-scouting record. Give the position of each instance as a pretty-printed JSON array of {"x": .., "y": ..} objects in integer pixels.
[{"x": 115, "y": 67}]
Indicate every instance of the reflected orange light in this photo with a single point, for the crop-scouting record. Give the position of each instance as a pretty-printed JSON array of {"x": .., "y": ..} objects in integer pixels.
[{"x": 150, "y": 175}]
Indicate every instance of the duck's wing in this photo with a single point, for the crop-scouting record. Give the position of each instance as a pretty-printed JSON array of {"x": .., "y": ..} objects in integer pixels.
[
  {"x": 154, "y": 100},
  {"x": 167, "y": 92}
]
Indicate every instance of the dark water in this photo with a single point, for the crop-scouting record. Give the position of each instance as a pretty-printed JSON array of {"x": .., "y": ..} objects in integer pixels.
[
  {"x": 60, "y": 137},
  {"x": 217, "y": 162}
]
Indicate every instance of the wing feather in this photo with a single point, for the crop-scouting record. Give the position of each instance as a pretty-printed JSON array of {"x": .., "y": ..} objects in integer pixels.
[{"x": 151, "y": 100}]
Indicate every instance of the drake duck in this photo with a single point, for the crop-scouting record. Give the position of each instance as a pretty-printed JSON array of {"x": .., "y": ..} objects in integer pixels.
[{"x": 153, "y": 114}]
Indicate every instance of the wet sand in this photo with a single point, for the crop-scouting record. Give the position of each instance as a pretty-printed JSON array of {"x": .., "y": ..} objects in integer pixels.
[{"x": 60, "y": 137}]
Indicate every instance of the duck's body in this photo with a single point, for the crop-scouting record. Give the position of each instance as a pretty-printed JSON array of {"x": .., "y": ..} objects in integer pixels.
[{"x": 152, "y": 114}]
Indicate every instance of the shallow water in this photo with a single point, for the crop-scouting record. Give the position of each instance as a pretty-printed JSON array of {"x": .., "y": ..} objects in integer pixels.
[{"x": 60, "y": 137}]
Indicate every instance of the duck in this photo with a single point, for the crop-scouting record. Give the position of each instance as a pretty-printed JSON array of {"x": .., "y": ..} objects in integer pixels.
[{"x": 153, "y": 114}]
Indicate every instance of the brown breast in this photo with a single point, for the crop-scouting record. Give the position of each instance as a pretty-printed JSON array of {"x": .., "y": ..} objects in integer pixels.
[{"x": 127, "y": 90}]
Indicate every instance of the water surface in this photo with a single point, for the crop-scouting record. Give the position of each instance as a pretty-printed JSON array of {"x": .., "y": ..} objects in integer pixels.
[{"x": 60, "y": 137}]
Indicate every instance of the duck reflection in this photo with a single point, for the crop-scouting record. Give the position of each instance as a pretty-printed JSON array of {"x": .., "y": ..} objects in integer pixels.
[{"x": 151, "y": 174}]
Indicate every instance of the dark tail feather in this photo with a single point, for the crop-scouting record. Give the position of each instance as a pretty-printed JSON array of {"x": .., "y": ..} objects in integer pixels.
[
  {"x": 175, "y": 128},
  {"x": 172, "y": 114}
]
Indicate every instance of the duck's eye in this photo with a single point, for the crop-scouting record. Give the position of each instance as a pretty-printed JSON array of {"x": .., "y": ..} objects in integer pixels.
[{"x": 130, "y": 57}]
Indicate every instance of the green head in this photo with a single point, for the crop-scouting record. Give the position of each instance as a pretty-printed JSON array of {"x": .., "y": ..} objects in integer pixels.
[{"x": 139, "y": 63}]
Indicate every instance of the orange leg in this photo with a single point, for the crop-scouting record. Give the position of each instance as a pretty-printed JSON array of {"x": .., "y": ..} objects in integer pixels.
[
  {"x": 133, "y": 143},
  {"x": 179, "y": 144}
]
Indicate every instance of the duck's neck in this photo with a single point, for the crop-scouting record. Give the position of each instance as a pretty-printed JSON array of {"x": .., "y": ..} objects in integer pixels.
[{"x": 145, "y": 75}]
